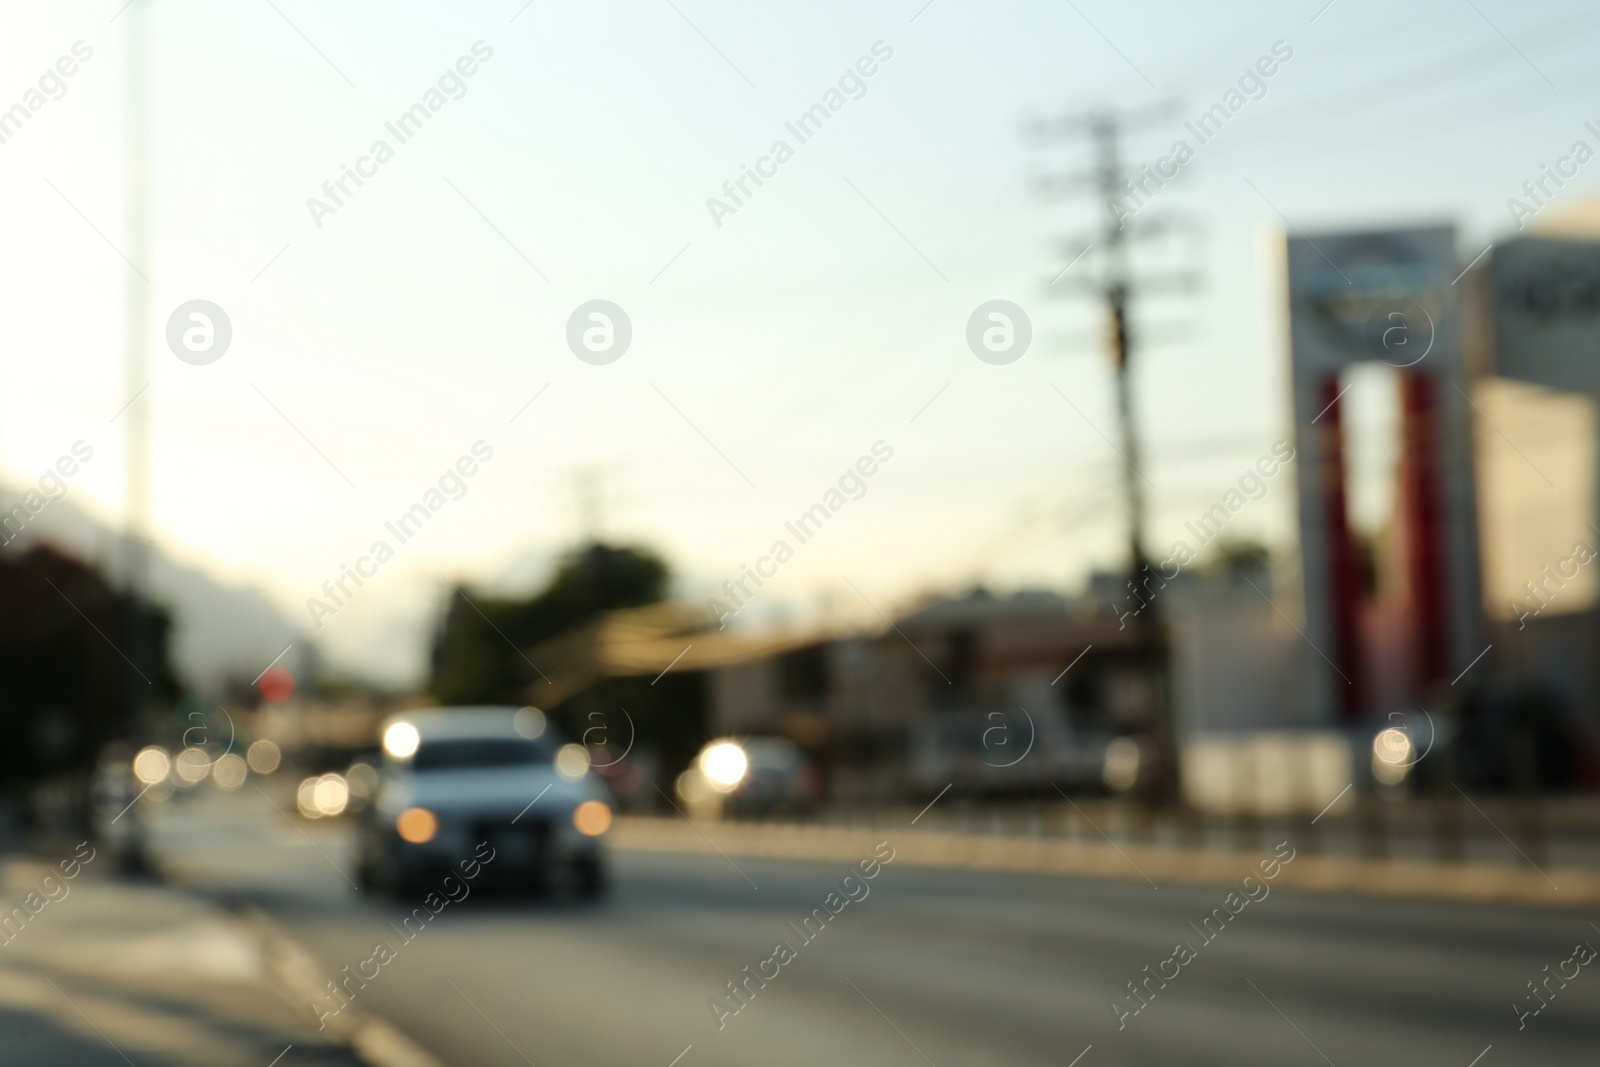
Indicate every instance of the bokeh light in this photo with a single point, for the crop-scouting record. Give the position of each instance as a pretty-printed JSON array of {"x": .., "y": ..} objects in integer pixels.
[
  {"x": 362, "y": 778},
  {"x": 417, "y": 825},
  {"x": 263, "y": 756},
  {"x": 1391, "y": 755},
  {"x": 331, "y": 794},
  {"x": 724, "y": 765},
  {"x": 401, "y": 740},
  {"x": 572, "y": 762},
  {"x": 152, "y": 764},
  {"x": 277, "y": 685},
  {"x": 229, "y": 772},
  {"x": 1392, "y": 746},
  {"x": 529, "y": 723},
  {"x": 592, "y": 818},
  {"x": 192, "y": 766},
  {"x": 305, "y": 798},
  {"x": 1122, "y": 764}
]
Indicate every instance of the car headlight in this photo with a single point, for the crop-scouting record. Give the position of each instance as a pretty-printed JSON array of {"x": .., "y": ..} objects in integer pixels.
[
  {"x": 417, "y": 826},
  {"x": 724, "y": 765},
  {"x": 592, "y": 818},
  {"x": 401, "y": 740}
]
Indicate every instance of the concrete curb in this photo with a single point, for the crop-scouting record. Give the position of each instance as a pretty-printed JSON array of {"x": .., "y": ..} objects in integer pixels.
[
  {"x": 1464, "y": 882},
  {"x": 299, "y": 979}
]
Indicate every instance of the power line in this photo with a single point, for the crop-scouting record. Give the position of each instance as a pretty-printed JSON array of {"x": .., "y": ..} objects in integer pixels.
[{"x": 1355, "y": 95}]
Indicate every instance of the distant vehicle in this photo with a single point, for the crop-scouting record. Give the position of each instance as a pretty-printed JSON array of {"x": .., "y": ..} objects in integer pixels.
[
  {"x": 755, "y": 775},
  {"x": 1000, "y": 752},
  {"x": 453, "y": 780}
]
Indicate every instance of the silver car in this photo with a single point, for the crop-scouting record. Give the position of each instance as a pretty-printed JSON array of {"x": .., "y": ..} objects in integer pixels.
[{"x": 489, "y": 786}]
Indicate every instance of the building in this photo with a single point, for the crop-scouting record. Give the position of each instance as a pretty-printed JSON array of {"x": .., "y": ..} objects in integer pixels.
[{"x": 860, "y": 702}]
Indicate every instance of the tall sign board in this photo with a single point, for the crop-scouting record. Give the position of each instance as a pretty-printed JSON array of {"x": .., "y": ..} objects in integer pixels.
[{"x": 1383, "y": 297}]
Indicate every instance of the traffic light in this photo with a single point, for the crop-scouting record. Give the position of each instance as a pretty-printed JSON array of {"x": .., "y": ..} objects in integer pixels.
[{"x": 277, "y": 684}]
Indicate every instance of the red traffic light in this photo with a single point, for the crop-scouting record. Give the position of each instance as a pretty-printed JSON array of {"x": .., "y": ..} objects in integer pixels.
[{"x": 277, "y": 684}]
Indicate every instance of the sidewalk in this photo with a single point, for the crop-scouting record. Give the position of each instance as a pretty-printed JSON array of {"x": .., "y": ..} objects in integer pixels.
[{"x": 97, "y": 971}]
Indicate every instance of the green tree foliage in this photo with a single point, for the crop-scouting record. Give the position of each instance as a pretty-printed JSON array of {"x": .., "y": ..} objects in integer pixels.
[
  {"x": 478, "y": 656},
  {"x": 1234, "y": 558}
]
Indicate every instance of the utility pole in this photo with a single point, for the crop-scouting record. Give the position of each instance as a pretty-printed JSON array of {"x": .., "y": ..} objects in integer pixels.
[
  {"x": 1113, "y": 281},
  {"x": 1115, "y": 289}
]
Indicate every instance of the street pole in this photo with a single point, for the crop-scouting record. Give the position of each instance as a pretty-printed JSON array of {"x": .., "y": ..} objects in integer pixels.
[
  {"x": 1115, "y": 286},
  {"x": 1116, "y": 289},
  {"x": 136, "y": 339}
]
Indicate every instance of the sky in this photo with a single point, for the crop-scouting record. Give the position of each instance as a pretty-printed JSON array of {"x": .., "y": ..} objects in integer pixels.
[{"x": 773, "y": 345}]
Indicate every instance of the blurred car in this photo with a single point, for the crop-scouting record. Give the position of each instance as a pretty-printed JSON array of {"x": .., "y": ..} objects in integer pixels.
[
  {"x": 454, "y": 779},
  {"x": 754, "y": 775},
  {"x": 998, "y": 752}
]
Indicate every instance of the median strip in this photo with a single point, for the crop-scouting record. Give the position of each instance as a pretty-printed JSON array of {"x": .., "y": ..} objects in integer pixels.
[{"x": 1465, "y": 882}]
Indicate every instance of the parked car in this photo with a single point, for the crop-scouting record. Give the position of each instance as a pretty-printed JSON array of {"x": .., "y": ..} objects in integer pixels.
[
  {"x": 752, "y": 775},
  {"x": 458, "y": 784},
  {"x": 1005, "y": 751}
]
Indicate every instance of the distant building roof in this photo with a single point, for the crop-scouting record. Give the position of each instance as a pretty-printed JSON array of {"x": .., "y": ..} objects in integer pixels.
[
  {"x": 979, "y": 605},
  {"x": 646, "y": 641}
]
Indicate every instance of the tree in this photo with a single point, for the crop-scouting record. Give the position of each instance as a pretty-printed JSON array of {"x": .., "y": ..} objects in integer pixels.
[
  {"x": 1234, "y": 558},
  {"x": 479, "y": 653},
  {"x": 65, "y": 684}
]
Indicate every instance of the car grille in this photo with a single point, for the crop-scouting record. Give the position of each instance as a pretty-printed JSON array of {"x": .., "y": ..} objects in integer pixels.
[{"x": 527, "y": 841}]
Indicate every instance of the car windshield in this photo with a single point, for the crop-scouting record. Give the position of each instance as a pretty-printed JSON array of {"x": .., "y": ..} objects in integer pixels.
[{"x": 473, "y": 753}]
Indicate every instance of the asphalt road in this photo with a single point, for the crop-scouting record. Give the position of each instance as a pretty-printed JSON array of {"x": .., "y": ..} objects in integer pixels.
[{"x": 932, "y": 966}]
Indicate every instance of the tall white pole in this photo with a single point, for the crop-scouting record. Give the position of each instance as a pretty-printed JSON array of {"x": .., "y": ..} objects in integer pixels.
[{"x": 137, "y": 296}]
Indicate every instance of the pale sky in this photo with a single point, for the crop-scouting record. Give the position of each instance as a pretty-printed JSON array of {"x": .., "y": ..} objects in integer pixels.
[{"x": 768, "y": 353}]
